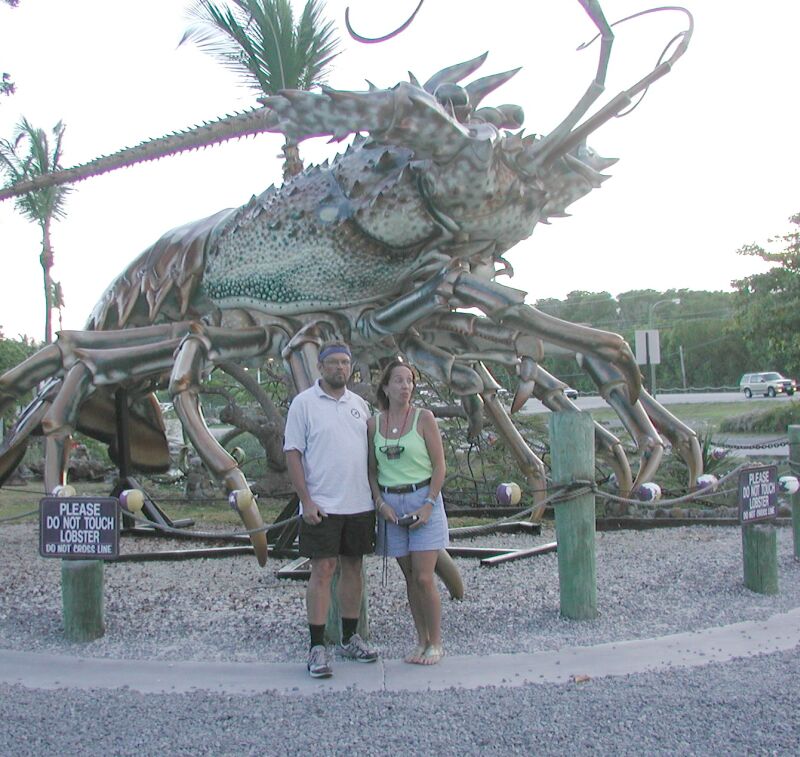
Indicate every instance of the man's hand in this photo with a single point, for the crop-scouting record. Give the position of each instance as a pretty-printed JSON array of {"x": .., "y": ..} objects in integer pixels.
[{"x": 313, "y": 513}]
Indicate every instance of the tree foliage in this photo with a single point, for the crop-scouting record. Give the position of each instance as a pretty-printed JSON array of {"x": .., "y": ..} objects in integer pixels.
[
  {"x": 29, "y": 153},
  {"x": 768, "y": 305},
  {"x": 260, "y": 41},
  {"x": 7, "y": 86},
  {"x": 12, "y": 353},
  {"x": 697, "y": 335}
]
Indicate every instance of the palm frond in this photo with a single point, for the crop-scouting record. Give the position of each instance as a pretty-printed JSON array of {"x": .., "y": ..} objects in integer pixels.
[{"x": 259, "y": 40}]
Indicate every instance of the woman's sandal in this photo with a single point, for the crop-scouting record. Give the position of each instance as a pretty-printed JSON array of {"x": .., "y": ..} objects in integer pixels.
[
  {"x": 416, "y": 656},
  {"x": 433, "y": 653}
]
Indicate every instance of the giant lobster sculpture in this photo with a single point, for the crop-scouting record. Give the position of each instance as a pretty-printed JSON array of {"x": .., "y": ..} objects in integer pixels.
[{"x": 387, "y": 247}]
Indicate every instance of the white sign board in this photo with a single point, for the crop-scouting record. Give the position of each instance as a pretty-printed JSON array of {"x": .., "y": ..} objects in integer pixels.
[{"x": 648, "y": 349}]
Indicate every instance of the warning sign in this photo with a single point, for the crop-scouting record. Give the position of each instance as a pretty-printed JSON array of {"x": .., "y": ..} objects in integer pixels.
[
  {"x": 758, "y": 494},
  {"x": 79, "y": 527}
]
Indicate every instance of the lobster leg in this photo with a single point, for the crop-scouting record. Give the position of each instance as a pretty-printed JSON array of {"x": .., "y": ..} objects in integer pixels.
[
  {"x": 507, "y": 306},
  {"x": 550, "y": 391},
  {"x": 95, "y": 359},
  {"x": 529, "y": 463},
  {"x": 445, "y": 367},
  {"x": 199, "y": 350},
  {"x": 478, "y": 336},
  {"x": 682, "y": 438}
]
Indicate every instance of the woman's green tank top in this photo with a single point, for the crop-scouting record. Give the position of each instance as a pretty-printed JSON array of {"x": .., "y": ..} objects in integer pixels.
[{"x": 411, "y": 466}]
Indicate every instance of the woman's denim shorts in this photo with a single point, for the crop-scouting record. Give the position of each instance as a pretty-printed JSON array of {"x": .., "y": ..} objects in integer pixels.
[{"x": 398, "y": 541}]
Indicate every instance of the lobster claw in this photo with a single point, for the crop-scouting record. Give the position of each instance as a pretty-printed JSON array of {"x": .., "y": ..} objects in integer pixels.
[{"x": 244, "y": 503}]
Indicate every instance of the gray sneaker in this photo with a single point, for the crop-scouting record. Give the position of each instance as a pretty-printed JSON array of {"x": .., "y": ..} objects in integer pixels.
[
  {"x": 319, "y": 664},
  {"x": 357, "y": 649}
]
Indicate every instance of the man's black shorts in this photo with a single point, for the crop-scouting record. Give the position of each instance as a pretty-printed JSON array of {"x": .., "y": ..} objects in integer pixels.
[{"x": 349, "y": 535}]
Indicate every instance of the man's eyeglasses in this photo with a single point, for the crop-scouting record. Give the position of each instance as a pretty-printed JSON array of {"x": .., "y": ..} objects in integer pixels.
[
  {"x": 393, "y": 451},
  {"x": 345, "y": 363}
]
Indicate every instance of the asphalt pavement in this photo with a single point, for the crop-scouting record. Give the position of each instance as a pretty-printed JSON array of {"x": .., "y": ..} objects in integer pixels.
[{"x": 750, "y": 445}]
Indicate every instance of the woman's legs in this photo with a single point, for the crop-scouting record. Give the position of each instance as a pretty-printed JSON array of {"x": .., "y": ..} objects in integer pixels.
[
  {"x": 425, "y": 603},
  {"x": 415, "y": 656}
]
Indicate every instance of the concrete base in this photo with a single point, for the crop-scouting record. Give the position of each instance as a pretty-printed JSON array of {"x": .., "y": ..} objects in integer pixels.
[{"x": 46, "y": 671}]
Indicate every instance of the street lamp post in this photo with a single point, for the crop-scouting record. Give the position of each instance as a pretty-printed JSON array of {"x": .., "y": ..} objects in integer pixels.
[{"x": 674, "y": 301}]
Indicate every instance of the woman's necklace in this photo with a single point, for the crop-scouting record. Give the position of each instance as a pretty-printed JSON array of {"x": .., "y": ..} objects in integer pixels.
[{"x": 396, "y": 429}]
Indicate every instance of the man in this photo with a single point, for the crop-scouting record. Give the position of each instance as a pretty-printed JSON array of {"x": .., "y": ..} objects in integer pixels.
[{"x": 326, "y": 454}]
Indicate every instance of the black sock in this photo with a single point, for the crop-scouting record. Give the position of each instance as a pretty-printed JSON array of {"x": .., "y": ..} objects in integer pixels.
[
  {"x": 317, "y": 635},
  {"x": 349, "y": 626}
]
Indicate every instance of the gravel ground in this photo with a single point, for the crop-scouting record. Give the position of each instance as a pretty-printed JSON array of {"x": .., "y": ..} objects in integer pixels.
[{"x": 650, "y": 583}]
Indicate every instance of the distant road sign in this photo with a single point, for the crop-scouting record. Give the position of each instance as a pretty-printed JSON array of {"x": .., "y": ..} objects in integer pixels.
[
  {"x": 84, "y": 528},
  {"x": 648, "y": 347}
]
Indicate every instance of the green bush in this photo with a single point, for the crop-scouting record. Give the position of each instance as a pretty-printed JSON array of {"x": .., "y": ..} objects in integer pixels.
[{"x": 774, "y": 420}]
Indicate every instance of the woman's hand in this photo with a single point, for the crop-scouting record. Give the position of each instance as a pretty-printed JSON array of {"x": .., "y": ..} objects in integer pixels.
[
  {"x": 387, "y": 512},
  {"x": 424, "y": 514}
]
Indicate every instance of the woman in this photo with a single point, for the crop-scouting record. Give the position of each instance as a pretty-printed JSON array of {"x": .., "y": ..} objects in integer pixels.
[{"x": 406, "y": 473}]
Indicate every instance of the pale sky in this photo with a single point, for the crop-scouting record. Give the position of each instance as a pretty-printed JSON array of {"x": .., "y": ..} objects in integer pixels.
[{"x": 708, "y": 162}]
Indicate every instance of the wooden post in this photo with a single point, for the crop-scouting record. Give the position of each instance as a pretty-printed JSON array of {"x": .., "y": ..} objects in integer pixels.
[
  {"x": 82, "y": 599},
  {"x": 333, "y": 626},
  {"x": 794, "y": 466},
  {"x": 760, "y": 554},
  {"x": 572, "y": 452}
]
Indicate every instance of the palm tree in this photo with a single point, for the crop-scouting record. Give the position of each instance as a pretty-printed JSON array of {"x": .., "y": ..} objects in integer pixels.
[
  {"x": 42, "y": 206},
  {"x": 259, "y": 40}
]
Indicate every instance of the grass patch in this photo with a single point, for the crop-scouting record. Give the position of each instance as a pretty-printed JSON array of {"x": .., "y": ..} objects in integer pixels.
[
  {"x": 698, "y": 416},
  {"x": 773, "y": 420}
]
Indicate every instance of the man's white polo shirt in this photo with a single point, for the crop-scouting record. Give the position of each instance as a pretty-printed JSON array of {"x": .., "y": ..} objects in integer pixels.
[{"x": 331, "y": 435}]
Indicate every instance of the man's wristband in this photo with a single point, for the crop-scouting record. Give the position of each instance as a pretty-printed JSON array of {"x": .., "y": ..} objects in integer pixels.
[{"x": 430, "y": 501}]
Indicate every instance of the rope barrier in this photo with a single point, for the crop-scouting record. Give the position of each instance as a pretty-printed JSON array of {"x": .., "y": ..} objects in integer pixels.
[
  {"x": 781, "y": 442},
  {"x": 212, "y": 534},
  {"x": 578, "y": 488}
]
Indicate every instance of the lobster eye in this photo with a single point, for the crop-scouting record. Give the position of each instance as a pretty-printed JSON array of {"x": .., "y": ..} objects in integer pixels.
[{"x": 451, "y": 94}]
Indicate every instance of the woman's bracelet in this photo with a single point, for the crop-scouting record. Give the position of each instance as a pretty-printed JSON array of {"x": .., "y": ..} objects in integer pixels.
[{"x": 430, "y": 501}]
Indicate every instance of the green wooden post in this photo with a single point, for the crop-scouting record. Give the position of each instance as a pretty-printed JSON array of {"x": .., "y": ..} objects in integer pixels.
[
  {"x": 794, "y": 463},
  {"x": 333, "y": 626},
  {"x": 82, "y": 599},
  {"x": 760, "y": 554},
  {"x": 572, "y": 452}
]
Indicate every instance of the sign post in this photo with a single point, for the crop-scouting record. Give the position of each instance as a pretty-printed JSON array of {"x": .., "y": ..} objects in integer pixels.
[
  {"x": 758, "y": 507},
  {"x": 794, "y": 461},
  {"x": 82, "y": 531},
  {"x": 648, "y": 352}
]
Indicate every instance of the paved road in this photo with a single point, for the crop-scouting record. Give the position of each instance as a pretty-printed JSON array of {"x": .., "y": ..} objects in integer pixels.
[
  {"x": 749, "y": 445},
  {"x": 594, "y": 402}
]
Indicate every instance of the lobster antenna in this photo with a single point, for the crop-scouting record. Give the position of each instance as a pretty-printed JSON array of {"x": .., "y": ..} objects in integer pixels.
[
  {"x": 678, "y": 36},
  {"x": 568, "y": 135},
  {"x": 371, "y": 40}
]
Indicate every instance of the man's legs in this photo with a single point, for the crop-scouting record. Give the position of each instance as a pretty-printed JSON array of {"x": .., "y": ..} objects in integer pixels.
[
  {"x": 318, "y": 599},
  {"x": 351, "y": 587},
  {"x": 318, "y": 591}
]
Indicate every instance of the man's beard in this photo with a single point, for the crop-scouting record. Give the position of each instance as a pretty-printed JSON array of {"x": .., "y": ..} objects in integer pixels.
[{"x": 336, "y": 381}]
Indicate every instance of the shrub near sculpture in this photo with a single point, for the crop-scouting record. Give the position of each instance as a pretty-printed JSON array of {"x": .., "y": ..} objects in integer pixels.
[{"x": 387, "y": 247}]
